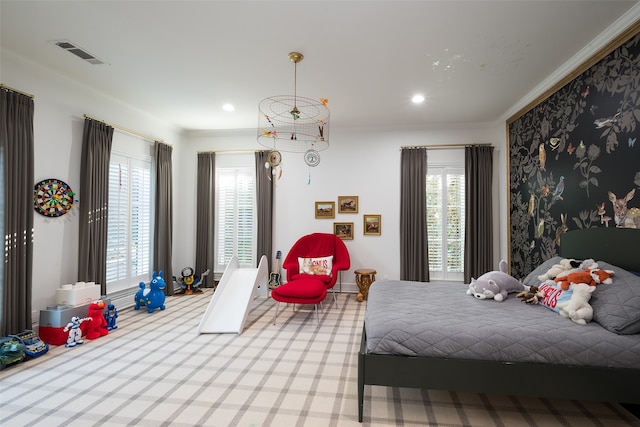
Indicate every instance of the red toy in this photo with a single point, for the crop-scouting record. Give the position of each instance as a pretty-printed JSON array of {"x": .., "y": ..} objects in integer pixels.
[
  {"x": 96, "y": 327},
  {"x": 590, "y": 277}
]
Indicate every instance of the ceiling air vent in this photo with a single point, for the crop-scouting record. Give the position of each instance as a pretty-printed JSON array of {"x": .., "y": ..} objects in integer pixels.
[{"x": 79, "y": 52}]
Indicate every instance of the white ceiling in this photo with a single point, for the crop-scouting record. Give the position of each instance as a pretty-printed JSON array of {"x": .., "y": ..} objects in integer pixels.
[{"x": 182, "y": 60}]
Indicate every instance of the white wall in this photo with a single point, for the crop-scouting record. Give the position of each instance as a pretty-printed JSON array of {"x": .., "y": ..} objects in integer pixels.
[
  {"x": 362, "y": 162},
  {"x": 58, "y": 125},
  {"x": 359, "y": 162}
]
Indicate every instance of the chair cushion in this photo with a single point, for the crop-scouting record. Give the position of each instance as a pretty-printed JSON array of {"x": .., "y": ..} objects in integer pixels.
[
  {"x": 303, "y": 289},
  {"x": 317, "y": 277}
]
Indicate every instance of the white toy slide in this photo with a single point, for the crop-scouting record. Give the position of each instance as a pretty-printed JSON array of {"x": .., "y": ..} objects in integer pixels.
[{"x": 229, "y": 305}]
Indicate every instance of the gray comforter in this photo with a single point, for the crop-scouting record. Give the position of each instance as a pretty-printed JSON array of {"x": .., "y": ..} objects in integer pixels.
[{"x": 441, "y": 320}]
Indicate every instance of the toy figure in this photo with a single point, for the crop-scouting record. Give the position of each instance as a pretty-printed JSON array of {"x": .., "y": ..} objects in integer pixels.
[
  {"x": 97, "y": 326},
  {"x": 152, "y": 297},
  {"x": 11, "y": 351},
  {"x": 75, "y": 333},
  {"x": 188, "y": 281},
  {"x": 110, "y": 316}
]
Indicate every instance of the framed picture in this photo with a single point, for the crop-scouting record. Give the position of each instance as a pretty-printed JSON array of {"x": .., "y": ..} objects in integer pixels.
[
  {"x": 343, "y": 230},
  {"x": 348, "y": 204},
  {"x": 325, "y": 210},
  {"x": 372, "y": 225}
]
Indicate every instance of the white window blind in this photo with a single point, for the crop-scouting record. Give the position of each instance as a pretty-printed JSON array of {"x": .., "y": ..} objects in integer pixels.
[
  {"x": 129, "y": 231},
  {"x": 445, "y": 222},
  {"x": 236, "y": 230}
]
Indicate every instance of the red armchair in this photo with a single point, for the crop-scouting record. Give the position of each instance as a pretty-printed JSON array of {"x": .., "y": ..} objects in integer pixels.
[{"x": 317, "y": 245}]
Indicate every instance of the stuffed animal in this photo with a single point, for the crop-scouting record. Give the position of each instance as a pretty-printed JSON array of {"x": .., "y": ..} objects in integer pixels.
[
  {"x": 590, "y": 277},
  {"x": 578, "y": 308},
  {"x": 152, "y": 297},
  {"x": 567, "y": 266},
  {"x": 532, "y": 296},
  {"x": 495, "y": 284},
  {"x": 96, "y": 327}
]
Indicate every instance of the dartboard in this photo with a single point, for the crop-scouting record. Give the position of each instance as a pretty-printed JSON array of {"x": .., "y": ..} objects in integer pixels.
[{"x": 52, "y": 197}]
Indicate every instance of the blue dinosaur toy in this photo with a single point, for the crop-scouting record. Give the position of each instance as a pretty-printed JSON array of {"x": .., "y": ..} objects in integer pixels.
[{"x": 152, "y": 297}]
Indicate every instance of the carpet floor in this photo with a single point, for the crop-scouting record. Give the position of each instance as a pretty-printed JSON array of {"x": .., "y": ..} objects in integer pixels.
[{"x": 154, "y": 370}]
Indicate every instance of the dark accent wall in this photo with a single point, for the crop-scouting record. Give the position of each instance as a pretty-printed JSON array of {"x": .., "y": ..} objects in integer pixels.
[{"x": 569, "y": 152}]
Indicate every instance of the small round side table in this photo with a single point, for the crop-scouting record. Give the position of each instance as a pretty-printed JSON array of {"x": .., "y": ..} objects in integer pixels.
[{"x": 364, "y": 278}]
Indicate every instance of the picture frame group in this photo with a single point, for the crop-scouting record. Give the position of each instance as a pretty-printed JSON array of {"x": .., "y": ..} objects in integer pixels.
[{"x": 348, "y": 205}]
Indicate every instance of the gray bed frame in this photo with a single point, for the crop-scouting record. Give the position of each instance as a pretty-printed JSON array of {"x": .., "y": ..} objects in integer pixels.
[{"x": 617, "y": 246}]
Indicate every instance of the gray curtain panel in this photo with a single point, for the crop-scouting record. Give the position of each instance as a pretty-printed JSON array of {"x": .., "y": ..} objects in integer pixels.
[
  {"x": 163, "y": 219},
  {"x": 264, "y": 202},
  {"x": 414, "y": 254},
  {"x": 478, "y": 247},
  {"x": 205, "y": 216},
  {"x": 94, "y": 194},
  {"x": 16, "y": 152}
]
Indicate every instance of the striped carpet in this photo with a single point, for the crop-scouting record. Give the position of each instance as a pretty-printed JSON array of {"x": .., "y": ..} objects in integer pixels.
[{"x": 155, "y": 371}]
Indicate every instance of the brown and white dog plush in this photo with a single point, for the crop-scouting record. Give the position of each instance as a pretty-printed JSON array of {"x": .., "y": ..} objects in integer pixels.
[
  {"x": 532, "y": 296},
  {"x": 589, "y": 277}
]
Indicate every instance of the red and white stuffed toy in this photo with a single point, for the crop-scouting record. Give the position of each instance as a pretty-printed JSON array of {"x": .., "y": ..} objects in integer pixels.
[
  {"x": 96, "y": 327},
  {"x": 590, "y": 277}
]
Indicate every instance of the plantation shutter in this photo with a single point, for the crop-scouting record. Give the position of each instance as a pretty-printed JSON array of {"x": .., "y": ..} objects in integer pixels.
[
  {"x": 445, "y": 222},
  {"x": 235, "y": 210},
  {"x": 129, "y": 222}
]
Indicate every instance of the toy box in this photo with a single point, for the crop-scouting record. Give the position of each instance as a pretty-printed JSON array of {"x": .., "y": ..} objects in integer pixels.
[{"x": 56, "y": 317}]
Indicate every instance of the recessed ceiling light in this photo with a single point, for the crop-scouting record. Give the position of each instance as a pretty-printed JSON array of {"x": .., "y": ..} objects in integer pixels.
[
  {"x": 228, "y": 107},
  {"x": 417, "y": 99}
]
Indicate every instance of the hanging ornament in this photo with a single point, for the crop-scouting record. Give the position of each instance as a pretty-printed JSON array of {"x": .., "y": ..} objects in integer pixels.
[
  {"x": 272, "y": 165},
  {"x": 275, "y": 158},
  {"x": 312, "y": 158}
]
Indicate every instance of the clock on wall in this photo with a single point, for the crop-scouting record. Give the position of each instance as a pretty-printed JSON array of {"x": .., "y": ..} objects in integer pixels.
[{"x": 53, "y": 197}]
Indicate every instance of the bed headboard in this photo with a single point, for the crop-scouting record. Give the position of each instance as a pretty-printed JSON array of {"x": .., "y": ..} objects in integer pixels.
[{"x": 617, "y": 246}]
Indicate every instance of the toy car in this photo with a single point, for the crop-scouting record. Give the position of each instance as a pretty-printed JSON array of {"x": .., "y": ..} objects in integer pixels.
[
  {"x": 33, "y": 345},
  {"x": 11, "y": 351}
]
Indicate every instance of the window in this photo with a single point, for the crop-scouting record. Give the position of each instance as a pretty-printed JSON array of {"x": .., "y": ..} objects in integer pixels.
[
  {"x": 129, "y": 231},
  {"x": 445, "y": 222},
  {"x": 235, "y": 207}
]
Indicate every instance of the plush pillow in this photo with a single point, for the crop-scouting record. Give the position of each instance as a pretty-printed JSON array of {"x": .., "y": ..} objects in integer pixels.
[
  {"x": 553, "y": 296},
  {"x": 317, "y": 266},
  {"x": 532, "y": 278},
  {"x": 616, "y": 307}
]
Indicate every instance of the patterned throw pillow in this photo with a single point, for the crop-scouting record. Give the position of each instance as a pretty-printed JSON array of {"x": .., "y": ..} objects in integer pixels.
[
  {"x": 553, "y": 296},
  {"x": 320, "y": 266}
]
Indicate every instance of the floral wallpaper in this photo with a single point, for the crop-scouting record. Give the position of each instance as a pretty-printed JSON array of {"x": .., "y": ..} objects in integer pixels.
[{"x": 574, "y": 161}]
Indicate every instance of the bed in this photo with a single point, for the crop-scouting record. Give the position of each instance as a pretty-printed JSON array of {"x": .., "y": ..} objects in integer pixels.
[{"x": 464, "y": 344}]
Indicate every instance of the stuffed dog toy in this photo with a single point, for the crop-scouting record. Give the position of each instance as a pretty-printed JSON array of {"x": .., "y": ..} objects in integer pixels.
[{"x": 590, "y": 277}]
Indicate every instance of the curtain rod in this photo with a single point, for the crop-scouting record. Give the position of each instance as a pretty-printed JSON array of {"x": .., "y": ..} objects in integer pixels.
[
  {"x": 140, "y": 135},
  {"x": 230, "y": 151},
  {"x": 445, "y": 146},
  {"x": 4, "y": 86}
]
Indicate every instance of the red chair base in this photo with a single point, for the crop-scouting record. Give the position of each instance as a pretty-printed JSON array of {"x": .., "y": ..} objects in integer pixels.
[{"x": 303, "y": 291}]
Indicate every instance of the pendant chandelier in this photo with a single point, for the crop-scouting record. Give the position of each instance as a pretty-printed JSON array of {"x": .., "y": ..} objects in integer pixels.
[{"x": 294, "y": 123}]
